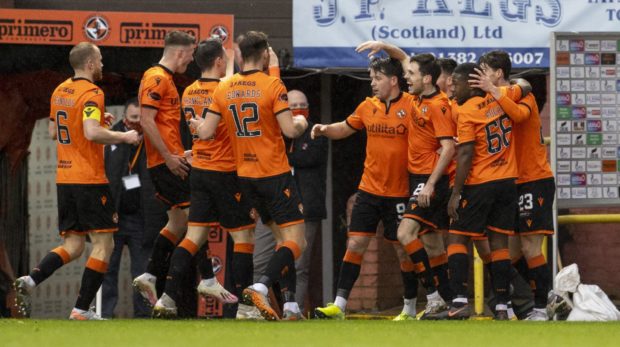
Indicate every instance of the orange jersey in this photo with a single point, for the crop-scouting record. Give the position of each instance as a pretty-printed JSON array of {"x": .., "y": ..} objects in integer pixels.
[
  {"x": 432, "y": 123},
  {"x": 385, "y": 167},
  {"x": 531, "y": 151},
  {"x": 454, "y": 109},
  {"x": 482, "y": 120},
  {"x": 249, "y": 102},
  {"x": 157, "y": 91},
  {"x": 216, "y": 153},
  {"x": 80, "y": 161}
]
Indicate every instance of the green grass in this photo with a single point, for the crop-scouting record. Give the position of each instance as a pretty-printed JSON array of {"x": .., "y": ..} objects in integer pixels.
[{"x": 307, "y": 333}]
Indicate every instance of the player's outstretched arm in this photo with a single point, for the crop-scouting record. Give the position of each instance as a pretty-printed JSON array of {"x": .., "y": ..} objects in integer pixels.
[
  {"x": 393, "y": 51},
  {"x": 205, "y": 128},
  {"x": 334, "y": 131},
  {"x": 93, "y": 131},
  {"x": 292, "y": 126}
]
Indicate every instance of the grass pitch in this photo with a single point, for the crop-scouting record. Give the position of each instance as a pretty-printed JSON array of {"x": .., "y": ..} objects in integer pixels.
[{"x": 21, "y": 333}]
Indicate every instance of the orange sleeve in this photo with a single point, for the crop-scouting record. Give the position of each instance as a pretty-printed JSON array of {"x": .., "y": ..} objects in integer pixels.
[
  {"x": 513, "y": 92},
  {"x": 355, "y": 120},
  {"x": 274, "y": 71},
  {"x": 218, "y": 93},
  {"x": 517, "y": 112},
  {"x": 466, "y": 127},
  {"x": 441, "y": 115},
  {"x": 280, "y": 97},
  {"x": 153, "y": 90}
]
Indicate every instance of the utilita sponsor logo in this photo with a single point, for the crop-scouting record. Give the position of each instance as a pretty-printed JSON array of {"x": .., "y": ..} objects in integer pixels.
[
  {"x": 35, "y": 30},
  {"x": 140, "y": 32}
]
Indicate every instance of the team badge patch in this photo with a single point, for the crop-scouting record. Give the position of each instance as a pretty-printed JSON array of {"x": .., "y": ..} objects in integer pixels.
[
  {"x": 91, "y": 112},
  {"x": 155, "y": 96},
  {"x": 401, "y": 113}
]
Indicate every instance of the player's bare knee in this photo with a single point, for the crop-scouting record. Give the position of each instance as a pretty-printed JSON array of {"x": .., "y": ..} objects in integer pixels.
[
  {"x": 531, "y": 246},
  {"x": 74, "y": 246},
  {"x": 433, "y": 244},
  {"x": 358, "y": 244}
]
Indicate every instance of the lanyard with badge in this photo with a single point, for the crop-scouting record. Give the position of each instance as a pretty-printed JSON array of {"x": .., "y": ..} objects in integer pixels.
[{"x": 132, "y": 181}]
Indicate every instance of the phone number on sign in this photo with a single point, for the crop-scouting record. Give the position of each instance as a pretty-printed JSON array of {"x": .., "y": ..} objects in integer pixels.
[{"x": 517, "y": 58}]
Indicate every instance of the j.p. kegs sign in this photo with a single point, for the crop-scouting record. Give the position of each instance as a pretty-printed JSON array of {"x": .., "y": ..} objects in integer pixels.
[
  {"x": 130, "y": 29},
  {"x": 326, "y": 31}
]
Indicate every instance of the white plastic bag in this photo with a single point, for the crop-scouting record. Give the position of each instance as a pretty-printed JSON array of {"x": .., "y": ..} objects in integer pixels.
[
  {"x": 567, "y": 280},
  {"x": 592, "y": 304}
]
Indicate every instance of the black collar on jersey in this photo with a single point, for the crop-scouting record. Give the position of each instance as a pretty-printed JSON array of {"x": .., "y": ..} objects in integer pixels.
[
  {"x": 204, "y": 79},
  {"x": 249, "y": 72},
  {"x": 431, "y": 95},
  {"x": 80, "y": 79},
  {"x": 165, "y": 68},
  {"x": 392, "y": 102}
]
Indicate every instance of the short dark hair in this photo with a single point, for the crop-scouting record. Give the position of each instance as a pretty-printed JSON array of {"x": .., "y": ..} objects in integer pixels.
[
  {"x": 132, "y": 101},
  {"x": 465, "y": 70},
  {"x": 389, "y": 67},
  {"x": 428, "y": 65},
  {"x": 80, "y": 53},
  {"x": 497, "y": 60},
  {"x": 207, "y": 52},
  {"x": 447, "y": 65},
  {"x": 178, "y": 38},
  {"x": 252, "y": 44}
]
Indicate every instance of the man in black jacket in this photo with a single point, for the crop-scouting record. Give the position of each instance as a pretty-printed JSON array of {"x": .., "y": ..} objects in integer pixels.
[
  {"x": 308, "y": 158},
  {"x": 141, "y": 215}
]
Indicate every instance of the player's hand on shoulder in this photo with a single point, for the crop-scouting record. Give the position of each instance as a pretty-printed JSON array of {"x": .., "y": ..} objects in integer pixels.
[{"x": 132, "y": 137}]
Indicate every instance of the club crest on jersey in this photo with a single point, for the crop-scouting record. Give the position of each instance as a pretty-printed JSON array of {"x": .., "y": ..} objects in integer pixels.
[
  {"x": 541, "y": 201},
  {"x": 401, "y": 114},
  {"x": 463, "y": 203},
  {"x": 155, "y": 96},
  {"x": 424, "y": 109},
  {"x": 287, "y": 192},
  {"x": 301, "y": 208},
  {"x": 104, "y": 200},
  {"x": 238, "y": 197},
  {"x": 115, "y": 218}
]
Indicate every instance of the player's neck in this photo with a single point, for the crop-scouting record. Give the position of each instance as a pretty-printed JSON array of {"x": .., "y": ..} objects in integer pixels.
[
  {"x": 79, "y": 74},
  {"x": 394, "y": 93},
  {"x": 168, "y": 64},
  {"x": 252, "y": 65},
  {"x": 502, "y": 83},
  {"x": 428, "y": 90},
  {"x": 211, "y": 74}
]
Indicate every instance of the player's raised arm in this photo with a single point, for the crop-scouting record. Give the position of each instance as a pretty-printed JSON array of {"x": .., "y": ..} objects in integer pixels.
[{"x": 393, "y": 51}]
